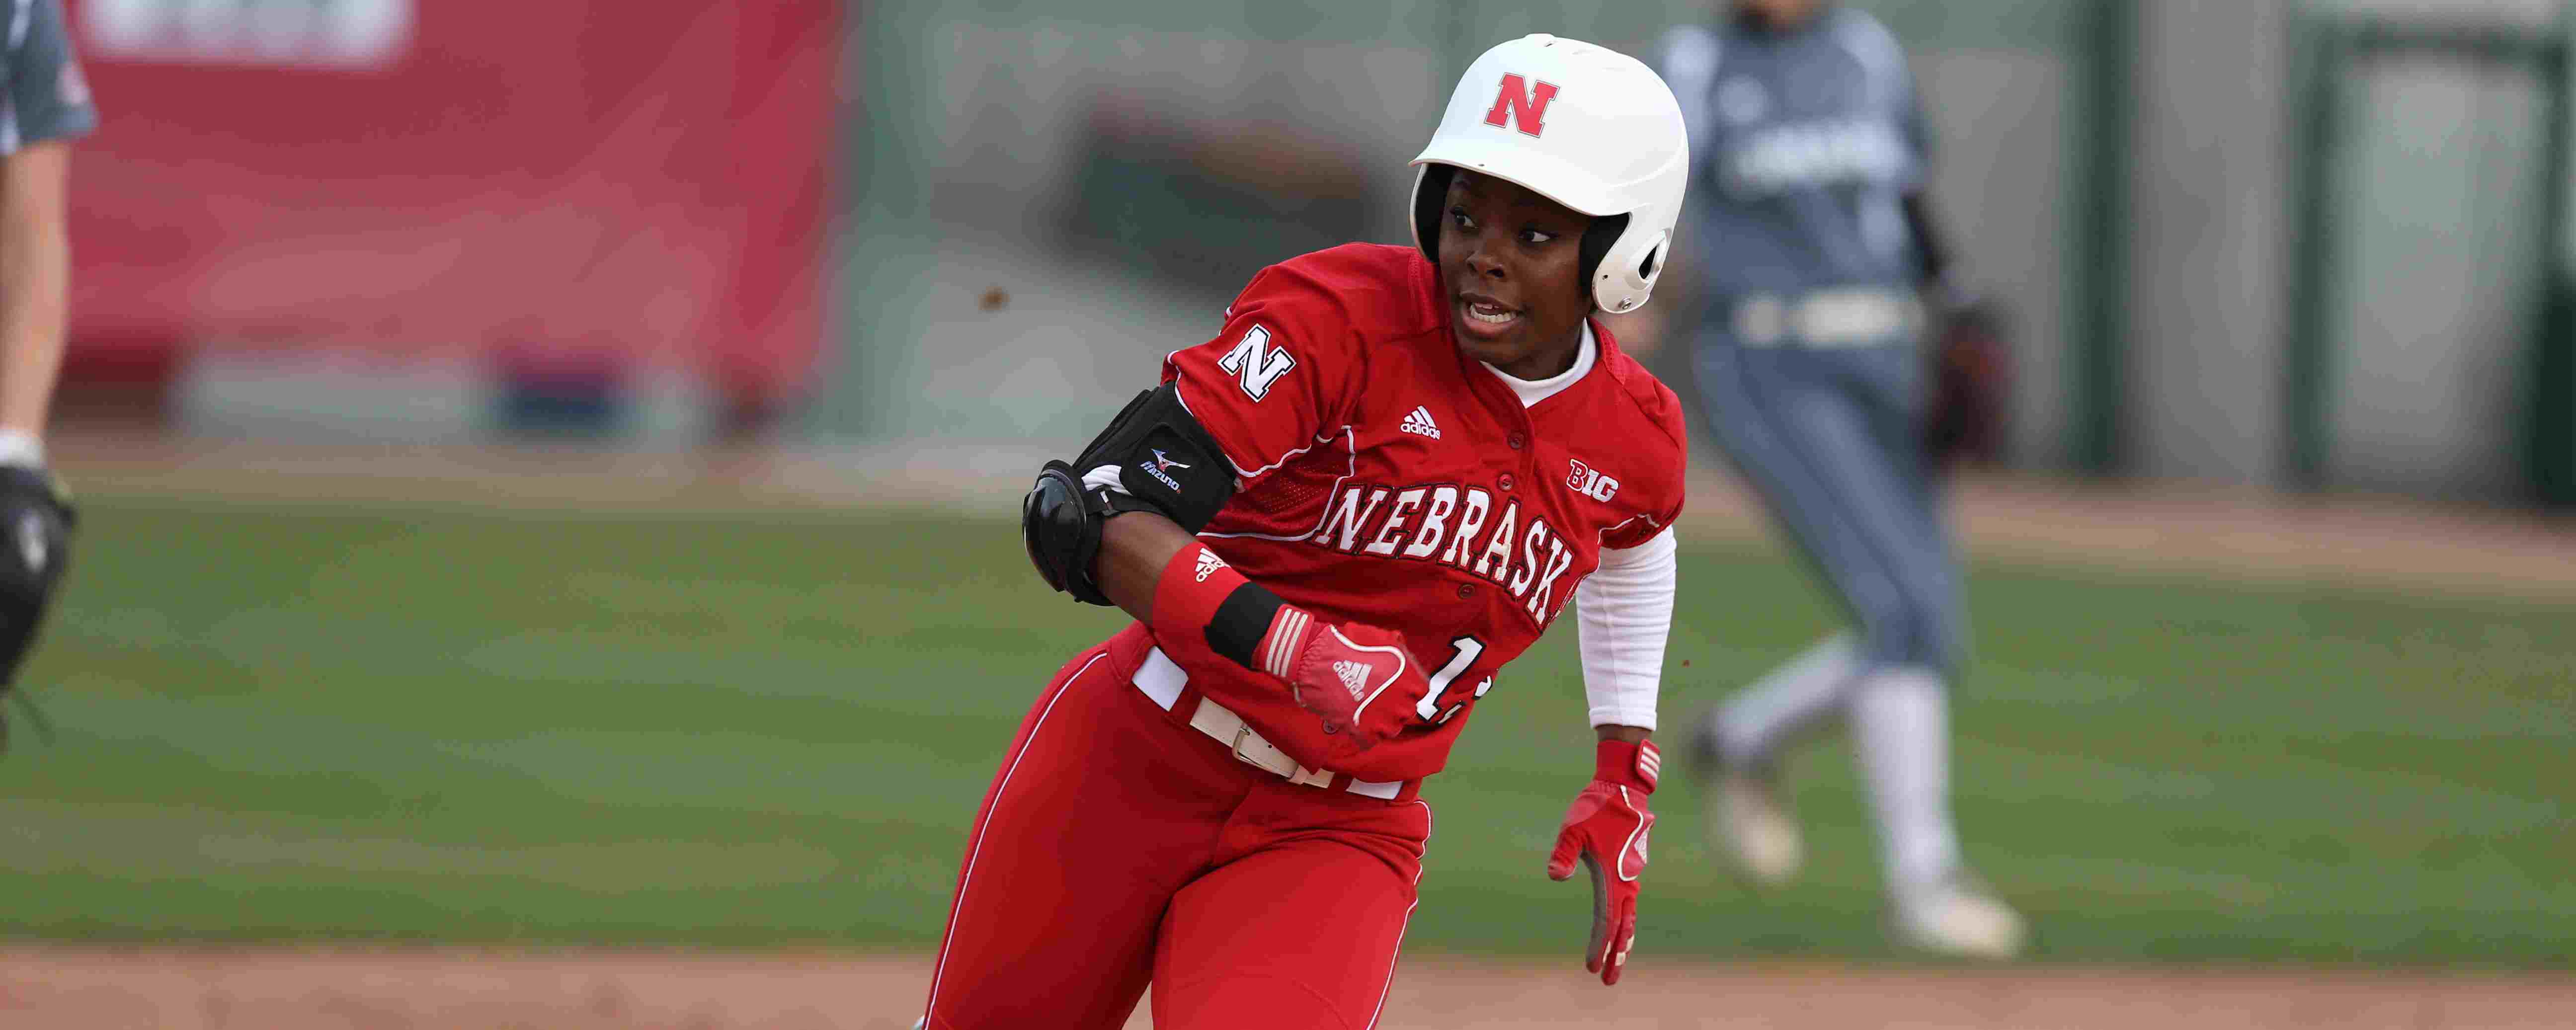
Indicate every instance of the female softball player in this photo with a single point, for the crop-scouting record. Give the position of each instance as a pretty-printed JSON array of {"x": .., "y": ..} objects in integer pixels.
[
  {"x": 1813, "y": 238},
  {"x": 1334, "y": 523}
]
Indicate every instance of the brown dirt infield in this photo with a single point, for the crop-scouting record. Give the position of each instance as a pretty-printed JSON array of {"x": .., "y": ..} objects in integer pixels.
[{"x": 241, "y": 989}]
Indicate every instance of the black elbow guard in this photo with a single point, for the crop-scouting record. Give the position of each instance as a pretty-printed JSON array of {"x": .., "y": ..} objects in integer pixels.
[
  {"x": 1061, "y": 523},
  {"x": 1166, "y": 463}
]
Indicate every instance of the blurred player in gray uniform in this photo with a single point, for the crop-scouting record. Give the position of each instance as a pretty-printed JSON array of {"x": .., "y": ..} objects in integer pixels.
[
  {"x": 44, "y": 103},
  {"x": 1812, "y": 243}
]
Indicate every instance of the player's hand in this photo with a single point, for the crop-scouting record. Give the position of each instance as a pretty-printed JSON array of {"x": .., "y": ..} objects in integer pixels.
[
  {"x": 1606, "y": 829},
  {"x": 36, "y": 518},
  {"x": 1356, "y": 678}
]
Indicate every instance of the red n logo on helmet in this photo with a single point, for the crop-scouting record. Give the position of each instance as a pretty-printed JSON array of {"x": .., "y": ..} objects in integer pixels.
[{"x": 1526, "y": 108}]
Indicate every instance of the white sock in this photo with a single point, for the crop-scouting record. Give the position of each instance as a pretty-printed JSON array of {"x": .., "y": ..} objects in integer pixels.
[
  {"x": 1793, "y": 697},
  {"x": 1900, "y": 720}
]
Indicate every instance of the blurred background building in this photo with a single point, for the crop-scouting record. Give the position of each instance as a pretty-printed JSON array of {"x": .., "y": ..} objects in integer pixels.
[{"x": 2294, "y": 243}]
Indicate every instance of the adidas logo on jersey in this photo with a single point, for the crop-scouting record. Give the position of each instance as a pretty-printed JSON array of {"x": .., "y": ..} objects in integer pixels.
[
  {"x": 1208, "y": 564},
  {"x": 1418, "y": 421},
  {"x": 1354, "y": 677}
]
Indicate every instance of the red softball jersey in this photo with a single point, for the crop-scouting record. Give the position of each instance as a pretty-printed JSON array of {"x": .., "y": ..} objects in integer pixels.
[{"x": 1384, "y": 477}]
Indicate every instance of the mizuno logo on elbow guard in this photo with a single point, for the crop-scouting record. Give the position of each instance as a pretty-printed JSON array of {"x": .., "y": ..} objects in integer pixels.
[{"x": 1155, "y": 469}]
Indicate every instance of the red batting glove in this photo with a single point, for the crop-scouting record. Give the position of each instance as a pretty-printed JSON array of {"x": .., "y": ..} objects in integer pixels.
[
  {"x": 1606, "y": 827},
  {"x": 1355, "y": 677}
]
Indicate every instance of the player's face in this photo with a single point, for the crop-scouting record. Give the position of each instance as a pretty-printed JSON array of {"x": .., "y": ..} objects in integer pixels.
[{"x": 1511, "y": 261}]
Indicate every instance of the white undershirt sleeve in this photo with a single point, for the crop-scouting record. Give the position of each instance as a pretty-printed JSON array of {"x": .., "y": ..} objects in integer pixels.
[{"x": 1625, "y": 611}]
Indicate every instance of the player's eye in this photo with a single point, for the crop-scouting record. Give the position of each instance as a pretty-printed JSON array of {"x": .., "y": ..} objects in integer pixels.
[
  {"x": 1458, "y": 217},
  {"x": 1536, "y": 236}
]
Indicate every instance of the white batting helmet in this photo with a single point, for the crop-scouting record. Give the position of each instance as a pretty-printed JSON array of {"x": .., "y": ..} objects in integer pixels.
[{"x": 1583, "y": 125}]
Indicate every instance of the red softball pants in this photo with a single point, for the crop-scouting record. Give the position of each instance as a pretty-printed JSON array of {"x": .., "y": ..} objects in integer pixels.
[{"x": 1118, "y": 846}]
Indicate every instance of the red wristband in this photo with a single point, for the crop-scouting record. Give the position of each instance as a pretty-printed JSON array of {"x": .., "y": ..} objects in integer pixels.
[
  {"x": 1630, "y": 764},
  {"x": 1193, "y": 584},
  {"x": 1201, "y": 600}
]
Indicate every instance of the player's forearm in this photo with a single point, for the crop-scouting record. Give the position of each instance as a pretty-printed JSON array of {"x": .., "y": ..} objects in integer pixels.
[
  {"x": 1624, "y": 611},
  {"x": 1134, "y": 549},
  {"x": 35, "y": 284},
  {"x": 1631, "y": 734}
]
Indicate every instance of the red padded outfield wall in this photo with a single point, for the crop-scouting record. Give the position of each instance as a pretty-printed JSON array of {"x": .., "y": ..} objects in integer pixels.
[{"x": 596, "y": 181}]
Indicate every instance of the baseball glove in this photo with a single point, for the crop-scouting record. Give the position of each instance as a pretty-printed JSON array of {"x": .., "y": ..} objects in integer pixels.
[
  {"x": 36, "y": 519},
  {"x": 1971, "y": 387}
]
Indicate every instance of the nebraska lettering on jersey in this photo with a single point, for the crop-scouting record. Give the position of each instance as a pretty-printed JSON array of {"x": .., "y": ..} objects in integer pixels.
[
  {"x": 1457, "y": 526},
  {"x": 1521, "y": 106}
]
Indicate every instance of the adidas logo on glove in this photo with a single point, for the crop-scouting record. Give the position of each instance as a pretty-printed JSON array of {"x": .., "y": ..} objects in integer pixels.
[
  {"x": 1354, "y": 678},
  {"x": 1208, "y": 564}
]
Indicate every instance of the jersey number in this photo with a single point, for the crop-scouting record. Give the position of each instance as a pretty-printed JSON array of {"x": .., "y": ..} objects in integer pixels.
[
  {"x": 1466, "y": 650},
  {"x": 1256, "y": 364}
]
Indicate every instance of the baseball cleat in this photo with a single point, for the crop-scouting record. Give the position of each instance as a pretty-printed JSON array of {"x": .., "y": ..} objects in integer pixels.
[
  {"x": 1747, "y": 821},
  {"x": 1960, "y": 917}
]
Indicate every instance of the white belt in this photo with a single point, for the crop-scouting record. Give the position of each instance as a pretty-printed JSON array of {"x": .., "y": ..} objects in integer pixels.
[
  {"x": 1857, "y": 317},
  {"x": 1162, "y": 679}
]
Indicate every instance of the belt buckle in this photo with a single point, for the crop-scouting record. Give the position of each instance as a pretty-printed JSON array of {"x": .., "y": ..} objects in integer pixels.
[
  {"x": 1241, "y": 735},
  {"x": 1279, "y": 765}
]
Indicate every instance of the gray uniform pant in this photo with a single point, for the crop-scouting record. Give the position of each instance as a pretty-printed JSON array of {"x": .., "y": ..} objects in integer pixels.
[{"x": 1829, "y": 439}]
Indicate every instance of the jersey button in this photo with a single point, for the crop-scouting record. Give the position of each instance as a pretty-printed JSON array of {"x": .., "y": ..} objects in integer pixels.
[
  {"x": 1465, "y": 591},
  {"x": 1505, "y": 482},
  {"x": 1515, "y": 441}
]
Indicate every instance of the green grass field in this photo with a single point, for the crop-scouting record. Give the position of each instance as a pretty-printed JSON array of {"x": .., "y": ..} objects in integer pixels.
[{"x": 376, "y": 725}]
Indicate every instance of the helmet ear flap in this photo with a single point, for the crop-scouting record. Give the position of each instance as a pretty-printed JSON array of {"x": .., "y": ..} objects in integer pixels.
[
  {"x": 1597, "y": 241},
  {"x": 1430, "y": 190}
]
